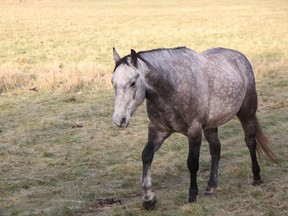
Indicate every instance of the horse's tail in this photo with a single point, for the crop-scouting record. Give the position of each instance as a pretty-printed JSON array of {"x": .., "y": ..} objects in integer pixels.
[{"x": 263, "y": 145}]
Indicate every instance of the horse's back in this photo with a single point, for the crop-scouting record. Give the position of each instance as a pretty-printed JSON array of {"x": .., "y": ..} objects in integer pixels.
[
  {"x": 231, "y": 61},
  {"x": 221, "y": 50},
  {"x": 231, "y": 57}
]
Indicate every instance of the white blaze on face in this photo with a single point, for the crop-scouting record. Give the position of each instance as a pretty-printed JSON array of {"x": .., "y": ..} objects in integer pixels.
[{"x": 129, "y": 93}]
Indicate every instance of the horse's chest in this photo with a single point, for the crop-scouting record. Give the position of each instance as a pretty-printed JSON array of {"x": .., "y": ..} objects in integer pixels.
[{"x": 167, "y": 119}]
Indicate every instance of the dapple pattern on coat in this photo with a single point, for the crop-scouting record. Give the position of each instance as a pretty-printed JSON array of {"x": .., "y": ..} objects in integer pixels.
[{"x": 188, "y": 92}]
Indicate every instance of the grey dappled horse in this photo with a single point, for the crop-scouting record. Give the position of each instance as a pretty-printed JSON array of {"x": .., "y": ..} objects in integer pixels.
[{"x": 187, "y": 92}]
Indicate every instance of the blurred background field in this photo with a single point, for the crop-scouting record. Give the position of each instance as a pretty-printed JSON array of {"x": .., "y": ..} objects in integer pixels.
[
  {"x": 60, "y": 153},
  {"x": 50, "y": 44}
]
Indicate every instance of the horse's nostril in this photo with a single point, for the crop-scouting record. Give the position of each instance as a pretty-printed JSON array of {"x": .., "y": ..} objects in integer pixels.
[{"x": 123, "y": 121}]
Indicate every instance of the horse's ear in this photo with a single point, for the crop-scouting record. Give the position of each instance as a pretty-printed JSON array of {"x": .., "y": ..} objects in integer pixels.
[
  {"x": 133, "y": 57},
  {"x": 116, "y": 55}
]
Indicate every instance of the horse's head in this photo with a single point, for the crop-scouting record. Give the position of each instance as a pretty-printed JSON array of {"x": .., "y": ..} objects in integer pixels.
[{"x": 128, "y": 86}]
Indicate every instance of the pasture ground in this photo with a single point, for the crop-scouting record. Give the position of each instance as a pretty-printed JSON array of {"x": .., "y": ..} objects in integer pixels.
[{"x": 60, "y": 153}]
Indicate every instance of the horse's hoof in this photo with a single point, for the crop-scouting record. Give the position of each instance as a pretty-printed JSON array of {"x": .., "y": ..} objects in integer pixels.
[
  {"x": 192, "y": 200},
  {"x": 151, "y": 204},
  {"x": 257, "y": 182},
  {"x": 208, "y": 191}
]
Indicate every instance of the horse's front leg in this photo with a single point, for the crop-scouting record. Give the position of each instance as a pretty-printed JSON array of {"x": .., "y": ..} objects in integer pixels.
[
  {"x": 155, "y": 140},
  {"x": 194, "y": 138}
]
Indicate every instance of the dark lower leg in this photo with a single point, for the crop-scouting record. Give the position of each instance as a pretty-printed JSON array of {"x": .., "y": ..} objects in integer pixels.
[
  {"x": 149, "y": 199},
  {"x": 155, "y": 140},
  {"x": 215, "y": 148},
  {"x": 212, "y": 183},
  {"x": 247, "y": 117},
  {"x": 147, "y": 157},
  {"x": 249, "y": 126},
  {"x": 193, "y": 161},
  {"x": 251, "y": 143},
  {"x": 193, "y": 164}
]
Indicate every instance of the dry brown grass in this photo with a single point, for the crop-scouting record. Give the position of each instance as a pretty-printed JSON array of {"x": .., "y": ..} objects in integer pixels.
[
  {"x": 57, "y": 76},
  {"x": 36, "y": 34}
]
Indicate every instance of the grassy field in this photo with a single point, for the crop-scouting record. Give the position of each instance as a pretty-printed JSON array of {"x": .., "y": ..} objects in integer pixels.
[{"x": 60, "y": 153}]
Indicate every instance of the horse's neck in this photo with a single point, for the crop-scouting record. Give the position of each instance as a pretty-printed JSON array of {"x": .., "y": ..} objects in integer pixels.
[{"x": 158, "y": 87}]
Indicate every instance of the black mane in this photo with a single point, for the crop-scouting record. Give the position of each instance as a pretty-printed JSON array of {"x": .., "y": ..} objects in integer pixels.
[{"x": 146, "y": 59}]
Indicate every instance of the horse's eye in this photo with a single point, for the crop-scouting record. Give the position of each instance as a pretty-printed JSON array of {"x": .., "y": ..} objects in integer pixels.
[{"x": 133, "y": 84}]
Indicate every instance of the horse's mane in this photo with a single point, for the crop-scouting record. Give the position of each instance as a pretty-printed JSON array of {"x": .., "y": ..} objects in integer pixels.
[{"x": 148, "y": 57}]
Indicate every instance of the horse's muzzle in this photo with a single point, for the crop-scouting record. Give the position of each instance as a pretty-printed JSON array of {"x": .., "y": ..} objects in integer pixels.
[{"x": 120, "y": 121}]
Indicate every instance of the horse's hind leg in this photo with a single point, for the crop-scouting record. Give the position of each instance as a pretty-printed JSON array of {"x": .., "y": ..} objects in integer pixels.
[
  {"x": 211, "y": 136},
  {"x": 249, "y": 122}
]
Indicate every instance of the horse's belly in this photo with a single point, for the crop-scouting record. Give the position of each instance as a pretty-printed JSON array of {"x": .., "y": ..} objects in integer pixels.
[
  {"x": 217, "y": 120},
  {"x": 223, "y": 110}
]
